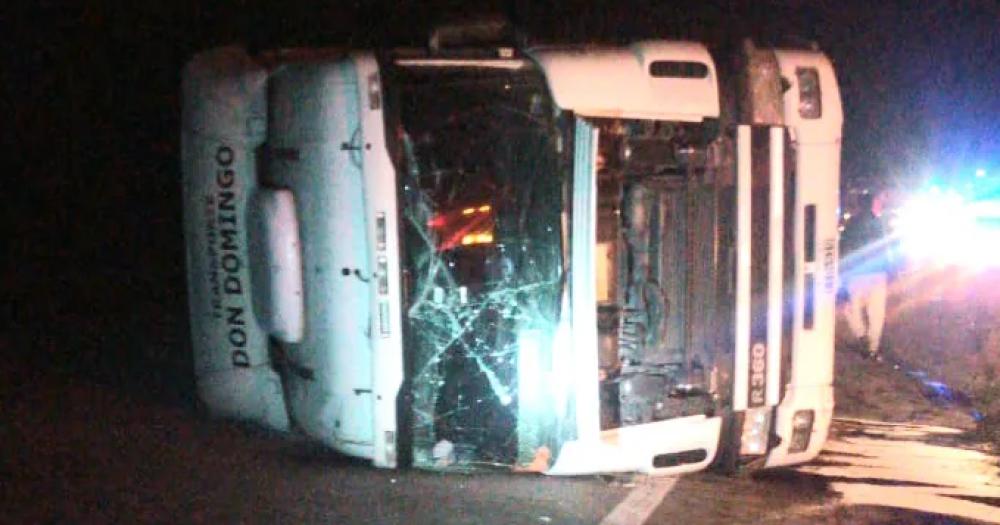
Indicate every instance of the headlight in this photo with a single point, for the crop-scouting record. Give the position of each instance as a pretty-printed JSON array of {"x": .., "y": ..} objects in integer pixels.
[
  {"x": 802, "y": 424},
  {"x": 756, "y": 430},
  {"x": 810, "y": 96}
]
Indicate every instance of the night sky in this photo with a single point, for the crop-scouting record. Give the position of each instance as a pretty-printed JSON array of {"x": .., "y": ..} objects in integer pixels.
[{"x": 94, "y": 209}]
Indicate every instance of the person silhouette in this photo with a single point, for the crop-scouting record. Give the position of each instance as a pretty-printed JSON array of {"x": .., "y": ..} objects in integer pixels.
[{"x": 865, "y": 256}]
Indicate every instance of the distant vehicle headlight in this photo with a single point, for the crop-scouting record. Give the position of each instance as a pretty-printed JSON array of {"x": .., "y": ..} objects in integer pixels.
[{"x": 942, "y": 227}]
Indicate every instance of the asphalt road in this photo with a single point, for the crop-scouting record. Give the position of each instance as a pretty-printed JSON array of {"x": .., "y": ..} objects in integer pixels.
[
  {"x": 75, "y": 451},
  {"x": 921, "y": 468},
  {"x": 78, "y": 452}
]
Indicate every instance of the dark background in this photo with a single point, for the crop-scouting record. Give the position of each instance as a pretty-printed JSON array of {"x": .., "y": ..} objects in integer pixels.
[{"x": 94, "y": 273}]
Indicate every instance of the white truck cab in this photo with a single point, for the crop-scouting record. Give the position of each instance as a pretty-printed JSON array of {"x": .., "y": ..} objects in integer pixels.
[{"x": 569, "y": 260}]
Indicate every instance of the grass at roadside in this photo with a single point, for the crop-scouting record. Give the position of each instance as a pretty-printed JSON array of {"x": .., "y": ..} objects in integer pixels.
[{"x": 877, "y": 390}]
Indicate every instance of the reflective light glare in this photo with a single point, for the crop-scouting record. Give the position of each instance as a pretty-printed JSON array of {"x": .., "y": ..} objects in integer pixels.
[
  {"x": 485, "y": 208},
  {"x": 529, "y": 369},
  {"x": 942, "y": 227},
  {"x": 477, "y": 238}
]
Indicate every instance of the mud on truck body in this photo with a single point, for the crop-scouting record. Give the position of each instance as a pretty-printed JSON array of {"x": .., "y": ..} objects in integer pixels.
[{"x": 564, "y": 259}]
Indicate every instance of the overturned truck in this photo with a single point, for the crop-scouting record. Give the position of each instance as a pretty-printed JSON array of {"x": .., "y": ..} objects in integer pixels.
[{"x": 562, "y": 259}]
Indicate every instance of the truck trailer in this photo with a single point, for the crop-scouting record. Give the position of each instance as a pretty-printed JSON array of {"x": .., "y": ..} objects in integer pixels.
[{"x": 560, "y": 259}]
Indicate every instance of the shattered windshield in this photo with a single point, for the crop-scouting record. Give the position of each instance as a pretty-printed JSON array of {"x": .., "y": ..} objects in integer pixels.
[{"x": 482, "y": 195}]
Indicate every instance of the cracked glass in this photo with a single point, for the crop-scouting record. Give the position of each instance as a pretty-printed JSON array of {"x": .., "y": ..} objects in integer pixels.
[{"x": 482, "y": 198}]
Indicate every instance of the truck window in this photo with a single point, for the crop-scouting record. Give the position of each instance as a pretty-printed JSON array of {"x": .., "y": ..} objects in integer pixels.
[{"x": 481, "y": 204}]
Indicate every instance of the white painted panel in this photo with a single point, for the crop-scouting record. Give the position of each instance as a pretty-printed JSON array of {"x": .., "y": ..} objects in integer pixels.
[
  {"x": 583, "y": 296},
  {"x": 316, "y": 149},
  {"x": 743, "y": 219},
  {"x": 276, "y": 257},
  {"x": 224, "y": 110},
  {"x": 383, "y": 242},
  {"x": 616, "y": 82},
  {"x": 776, "y": 263},
  {"x": 817, "y": 166},
  {"x": 633, "y": 448}
]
